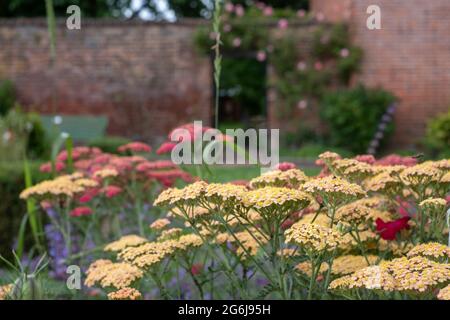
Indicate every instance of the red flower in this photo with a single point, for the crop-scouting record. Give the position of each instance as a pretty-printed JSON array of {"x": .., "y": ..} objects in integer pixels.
[
  {"x": 196, "y": 269},
  {"x": 389, "y": 230},
  {"x": 135, "y": 147},
  {"x": 284, "y": 166},
  {"x": 112, "y": 191},
  {"x": 166, "y": 147},
  {"x": 81, "y": 211}
]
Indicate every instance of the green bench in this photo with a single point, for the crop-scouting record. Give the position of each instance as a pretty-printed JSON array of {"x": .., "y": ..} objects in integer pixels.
[{"x": 82, "y": 128}]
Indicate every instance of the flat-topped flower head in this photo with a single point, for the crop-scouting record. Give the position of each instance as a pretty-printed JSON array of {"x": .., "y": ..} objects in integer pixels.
[
  {"x": 112, "y": 274},
  {"x": 444, "y": 293},
  {"x": 63, "y": 186},
  {"x": 219, "y": 194},
  {"x": 431, "y": 250},
  {"x": 159, "y": 224},
  {"x": 354, "y": 213},
  {"x": 434, "y": 204},
  {"x": 334, "y": 190},
  {"x": 125, "y": 294},
  {"x": 188, "y": 195},
  {"x": 372, "y": 278},
  {"x": 420, "y": 175},
  {"x": 352, "y": 169},
  {"x": 291, "y": 178},
  {"x": 329, "y": 156},
  {"x": 5, "y": 291},
  {"x": 342, "y": 265},
  {"x": 384, "y": 183},
  {"x": 313, "y": 237},
  {"x": 105, "y": 173},
  {"x": 131, "y": 240},
  {"x": 417, "y": 273},
  {"x": 273, "y": 198}
]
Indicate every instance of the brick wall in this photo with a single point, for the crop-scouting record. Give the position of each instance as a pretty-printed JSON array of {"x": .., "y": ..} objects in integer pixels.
[
  {"x": 410, "y": 56},
  {"x": 146, "y": 77}
]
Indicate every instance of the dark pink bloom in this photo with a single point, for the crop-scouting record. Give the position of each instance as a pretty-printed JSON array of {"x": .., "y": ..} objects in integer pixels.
[
  {"x": 394, "y": 159},
  {"x": 135, "y": 147},
  {"x": 283, "y": 24},
  {"x": 47, "y": 167},
  {"x": 112, "y": 191},
  {"x": 197, "y": 268},
  {"x": 166, "y": 147},
  {"x": 367, "y": 158},
  {"x": 89, "y": 195},
  {"x": 284, "y": 166},
  {"x": 81, "y": 211}
]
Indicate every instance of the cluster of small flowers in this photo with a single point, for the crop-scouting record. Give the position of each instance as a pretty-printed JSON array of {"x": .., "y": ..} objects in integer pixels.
[
  {"x": 291, "y": 178},
  {"x": 313, "y": 237}
]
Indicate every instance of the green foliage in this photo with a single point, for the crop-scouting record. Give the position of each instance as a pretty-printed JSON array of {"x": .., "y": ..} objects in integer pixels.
[
  {"x": 353, "y": 115},
  {"x": 313, "y": 150},
  {"x": 21, "y": 132},
  {"x": 12, "y": 209},
  {"x": 7, "y": 97},
  {"x": 109, "y": 144},
  {"x": 249, "y": 75},
  {"x": 438, "y": 134}
]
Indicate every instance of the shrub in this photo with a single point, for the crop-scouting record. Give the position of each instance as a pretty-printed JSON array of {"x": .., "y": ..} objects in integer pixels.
[
  {"x": 7, "y": 97},
  {"x": 12, "y": 208},
  {"x": 438, "y": 134},
  {"x": 109, "y": 143},
  {"x": 353, "y": 115}
]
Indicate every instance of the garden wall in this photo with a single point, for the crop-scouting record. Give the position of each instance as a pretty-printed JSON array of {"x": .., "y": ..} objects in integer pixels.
[
  {"x": 409, "y": 56},
  {"x": 146, "y": 77}
]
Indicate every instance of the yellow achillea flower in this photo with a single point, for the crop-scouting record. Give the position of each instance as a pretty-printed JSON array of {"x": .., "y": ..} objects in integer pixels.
[
  {"x": 109, "y": 274},
  {"x": 435, "y": 204},
  {"x": 444, "y": 293},
  {"x": 292, "y": 178},
  {"x": 248, "y": 241},
  {"x": 372, "y": 277},
  {"x": 125, "y": 294},
  {"x": 397, "y": 249},
  {"x": 353, "y": 213},
  {"x": 273, "y": 197},
  {"x": 329, "y": 156},
  {"x": 131, "y": 240},
  {"x": 352, "y": 169},
  {"x": 106, "y": 173},
  {"x": 68, "y": 186},
  {"x": 160, "y": 224},
  {"x": 334, "y": 189},
  {"x": 313, "y": 237},
  {"x": 430, "y": 250},
  {"x": 218, "y": 193},
  {"x": 321, "y": 219},
  {"x": 5, "y": 291},
  {"x": 171, "y": 233},
  {"x": 417, "y": 273},
  {"x": 159, "y": 249},
  {"x": 342, "y": 265},
  {"x": 443, "y": 164},
  {"x": 420, "y": 174},
  {"x": 445, "y": 178},
  {"x": 384, "y": 183},
  {"x": 187, "y": 195},
  {"x": 391, "y": 170}
]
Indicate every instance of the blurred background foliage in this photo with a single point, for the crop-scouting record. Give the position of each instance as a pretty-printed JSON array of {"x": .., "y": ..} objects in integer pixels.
[{"x": 131, "y": 8}]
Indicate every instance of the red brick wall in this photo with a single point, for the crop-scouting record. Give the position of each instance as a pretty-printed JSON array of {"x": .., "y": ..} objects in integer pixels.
[
  {"x": 146, "y": 77},
  {"x": 409, "y": 56}
]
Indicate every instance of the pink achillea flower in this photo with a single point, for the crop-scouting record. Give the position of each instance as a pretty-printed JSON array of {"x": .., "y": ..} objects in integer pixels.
[
  {"x": 81, "y": 211},
  {"x": 47, "y": 167},
  {"x": 112, "y": 191},
  {"x": 135, "y": 147},
  {"x": 166, "y": 147},
  {"x": 89, "y": 195},
  {"x": 283, "y": 24}
]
